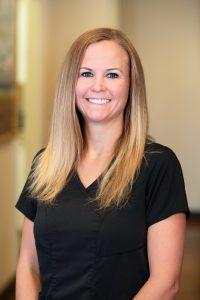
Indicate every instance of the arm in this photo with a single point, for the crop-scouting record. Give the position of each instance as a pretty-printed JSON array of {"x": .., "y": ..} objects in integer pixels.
[
  {"x": 27, "y": 273},
  {"x": 165, "y": 245}
]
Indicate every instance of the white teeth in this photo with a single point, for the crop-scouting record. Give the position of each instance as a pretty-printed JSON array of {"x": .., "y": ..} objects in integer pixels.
[{"x": 98, "y": 101}]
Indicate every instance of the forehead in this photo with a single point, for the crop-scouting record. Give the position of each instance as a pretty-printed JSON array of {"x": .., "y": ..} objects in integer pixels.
[{"x": 107, "y": 52}]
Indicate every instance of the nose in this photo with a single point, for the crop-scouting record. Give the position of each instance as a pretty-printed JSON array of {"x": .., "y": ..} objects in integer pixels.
[{"x": 98, "y": 84}]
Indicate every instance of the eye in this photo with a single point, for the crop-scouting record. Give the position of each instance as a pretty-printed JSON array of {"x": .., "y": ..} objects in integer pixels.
[
  {"x": 112, "y": 75},
  {"x": 86, "y": 74}
]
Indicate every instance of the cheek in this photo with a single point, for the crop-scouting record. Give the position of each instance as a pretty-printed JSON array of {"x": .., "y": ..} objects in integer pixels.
[
  {"x": 122, "y": 91},
  {"x": 81, "y": 89},
  {"x": 78, "y": 90}
]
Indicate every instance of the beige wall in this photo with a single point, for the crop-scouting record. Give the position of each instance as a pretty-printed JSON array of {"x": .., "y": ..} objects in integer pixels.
[{"x": 167, "y": 36}]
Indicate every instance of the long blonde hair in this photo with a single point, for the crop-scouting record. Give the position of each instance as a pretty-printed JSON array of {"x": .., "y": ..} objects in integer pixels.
[{"x": 56, "y": 165}]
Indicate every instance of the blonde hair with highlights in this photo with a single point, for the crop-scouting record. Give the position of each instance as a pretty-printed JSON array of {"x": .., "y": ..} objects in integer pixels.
[{"x": 55, "y": 166}]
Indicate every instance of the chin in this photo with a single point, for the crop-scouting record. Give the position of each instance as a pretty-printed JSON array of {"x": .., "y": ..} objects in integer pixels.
[{"x": 95, "y": 119}]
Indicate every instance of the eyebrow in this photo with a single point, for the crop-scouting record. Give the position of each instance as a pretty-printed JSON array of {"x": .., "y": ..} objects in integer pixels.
[{"x": 115, "y": 68}]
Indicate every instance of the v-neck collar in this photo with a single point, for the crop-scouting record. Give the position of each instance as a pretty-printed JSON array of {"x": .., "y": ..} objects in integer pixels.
[
  {"x": 90, "y": 188},
  {"x": 94, "y": 182}
]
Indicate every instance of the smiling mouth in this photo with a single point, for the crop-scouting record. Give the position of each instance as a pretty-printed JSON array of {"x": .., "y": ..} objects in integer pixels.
[{"x": 98, "y": 100}]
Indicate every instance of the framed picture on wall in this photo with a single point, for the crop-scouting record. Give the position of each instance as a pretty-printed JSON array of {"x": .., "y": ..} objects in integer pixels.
[{"x": 8, "y": 89}]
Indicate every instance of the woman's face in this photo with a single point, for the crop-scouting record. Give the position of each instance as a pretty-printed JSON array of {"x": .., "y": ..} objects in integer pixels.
[{"x": 103, "y": 84}]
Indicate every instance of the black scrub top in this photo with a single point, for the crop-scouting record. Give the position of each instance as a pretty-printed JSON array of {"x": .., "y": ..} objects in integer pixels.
[{"x": 85, "y": 254}]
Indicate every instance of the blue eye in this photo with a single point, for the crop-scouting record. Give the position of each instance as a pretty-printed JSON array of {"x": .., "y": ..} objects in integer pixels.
[
  {"x": 86, "y": 74},
  {"x": 112, "y": 75}
]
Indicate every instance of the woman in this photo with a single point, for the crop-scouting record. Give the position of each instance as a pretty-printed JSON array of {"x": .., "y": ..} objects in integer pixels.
[{"x": 105, "y": 206}]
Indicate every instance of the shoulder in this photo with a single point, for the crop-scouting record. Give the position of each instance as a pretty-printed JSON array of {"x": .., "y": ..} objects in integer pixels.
[
  {"x": 154, "y": 147},
  {"x": 158, "y": 155}
]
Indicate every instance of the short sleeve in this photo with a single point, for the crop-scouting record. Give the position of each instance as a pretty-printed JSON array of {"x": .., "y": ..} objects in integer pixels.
[
  {"x": 26, "y": 204},
  {"x": 166, "y": 194}
]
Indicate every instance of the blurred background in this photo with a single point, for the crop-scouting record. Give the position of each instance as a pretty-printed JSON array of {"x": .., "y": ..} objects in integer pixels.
[{"x": 34, "y": 37}]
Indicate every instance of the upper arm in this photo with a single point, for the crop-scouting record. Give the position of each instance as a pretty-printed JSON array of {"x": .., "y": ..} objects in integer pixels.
[
  {"x": 165, "y": 244},
  {"x": 28, "y": 254}
]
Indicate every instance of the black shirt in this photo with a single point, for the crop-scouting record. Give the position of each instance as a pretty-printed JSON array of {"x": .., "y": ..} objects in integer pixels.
[{"x": 85, "y": 254}]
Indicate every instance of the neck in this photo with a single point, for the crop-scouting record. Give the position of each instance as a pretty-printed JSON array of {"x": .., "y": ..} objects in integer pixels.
[{"x": 101, "y": 138}]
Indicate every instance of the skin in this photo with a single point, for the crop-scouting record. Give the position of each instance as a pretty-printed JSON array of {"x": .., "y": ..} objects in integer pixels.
[
  {"x": 165, "y": 243},
  {"x": 104, "y": 73},
  {"x": 28, "y": 282}
]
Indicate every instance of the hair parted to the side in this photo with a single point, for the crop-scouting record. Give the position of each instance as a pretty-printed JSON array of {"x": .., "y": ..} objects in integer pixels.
[{"x": 57, "y": 163}]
